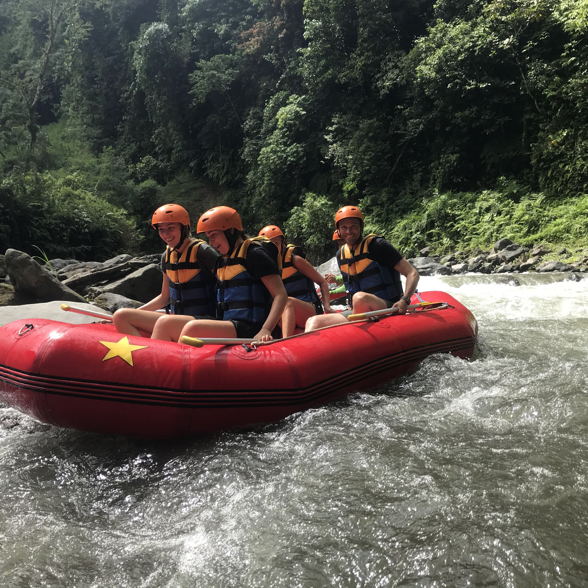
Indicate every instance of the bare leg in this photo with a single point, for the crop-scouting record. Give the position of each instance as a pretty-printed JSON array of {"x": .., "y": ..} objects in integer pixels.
[
  {"x": 169, "y": 327},
  {"x": 364, "y": 302},
  {"x": 208, "y": 328},
  {"x": 296, "y": 313},
  {"x": 131, "y": 321},
  {"x": 323, "y": 320}
]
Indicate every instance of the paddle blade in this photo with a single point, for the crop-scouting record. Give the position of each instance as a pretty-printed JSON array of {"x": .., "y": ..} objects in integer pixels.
[{"x": 192, "y": 341}]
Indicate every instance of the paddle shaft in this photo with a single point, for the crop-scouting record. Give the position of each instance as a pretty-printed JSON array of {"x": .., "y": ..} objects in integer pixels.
[
  {"x": 195, "y": 342},
  {"x": 100, "y": 315},
  {"x": 393, "y": 310}
]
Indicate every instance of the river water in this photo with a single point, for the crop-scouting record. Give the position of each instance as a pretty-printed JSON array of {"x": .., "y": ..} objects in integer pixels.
[{"x": 465, "y": 473}]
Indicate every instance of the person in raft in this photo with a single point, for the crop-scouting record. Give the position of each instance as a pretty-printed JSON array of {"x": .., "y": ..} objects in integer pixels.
[
  {"x": 187, "y": 290},
  {"x": 299, "y": 278},
  {"x": 371, "y": 269},
  {"x": 250, "y": 294}
]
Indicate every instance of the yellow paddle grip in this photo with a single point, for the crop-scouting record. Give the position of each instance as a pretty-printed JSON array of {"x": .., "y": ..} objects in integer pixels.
[{"x": 193, "y": 341}]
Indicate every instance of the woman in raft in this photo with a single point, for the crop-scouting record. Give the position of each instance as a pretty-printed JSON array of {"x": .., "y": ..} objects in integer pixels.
[
  {"x": 187, "y": 290},
  {"x": 299, "y": 278},
  {"x": 250, "y": 294}
]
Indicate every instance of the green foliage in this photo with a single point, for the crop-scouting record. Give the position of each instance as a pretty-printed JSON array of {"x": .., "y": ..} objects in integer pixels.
[
  {"x": 60, "y": 216},
  {"x": 311, "y": 225},
  {"x": 451, "y": 221}
]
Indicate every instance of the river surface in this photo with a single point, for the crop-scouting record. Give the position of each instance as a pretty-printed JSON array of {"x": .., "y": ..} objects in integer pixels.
[{"x": 465, "y": 473}]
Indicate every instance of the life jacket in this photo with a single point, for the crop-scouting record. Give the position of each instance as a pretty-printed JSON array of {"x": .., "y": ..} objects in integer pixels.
[
  {"x": 297, "y": 285},
  {"x": 191, "y": 289},
  {"x": 362, "y": 274},
  {"x": 239, "y": 295}
]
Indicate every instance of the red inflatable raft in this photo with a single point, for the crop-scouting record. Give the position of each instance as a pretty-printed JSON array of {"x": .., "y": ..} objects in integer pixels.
[{"x": 91, "y": 378}]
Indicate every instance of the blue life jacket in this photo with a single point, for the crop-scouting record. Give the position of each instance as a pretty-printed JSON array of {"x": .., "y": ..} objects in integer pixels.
[
  {"x": 239, "y": 295},
  {"x": 297, "y": 284},
  {"x": 191, "y": 288},
  {"x": 362, "y": 274}
]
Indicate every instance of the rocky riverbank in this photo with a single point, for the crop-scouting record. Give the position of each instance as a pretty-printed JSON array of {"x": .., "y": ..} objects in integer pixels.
[{"x": 504, "y": 257}]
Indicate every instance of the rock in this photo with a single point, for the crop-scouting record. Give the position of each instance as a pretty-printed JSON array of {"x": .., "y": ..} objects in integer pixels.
[
  {"x": 117, "y": 260},
  {"x": 93, "y": 277},
  {"x": 425, "y": 252},
  {"x": 151, "y": 258},
  {"x": 46, "y": 310},
  {"x": 58, "y": 264},
  {"x": 3, "y": 272},
  {"x": 562, "y": 251},
  {"x": 574, "y": 278},
  {"x": 450, "y": 259},
  {"x": 143, "y": 284},
  {"x": 539, "y": 251},
  {"x": 459, "y": 268},
  {"x": 554, "y": 266},
  {"x": 7, "y": 295},
  {"x": 428, "y": 267},
  {"x": 31, "y": 280},
  {"x": 474, "y": 264},
  {"x": 511, "y": 252},
  {"x": 493, "y": 259},
  {"x": 112, "y": 302},
  {"x": 503, "y": 243},
  {"x": 459, "y": 254},
  {"x": 530, "y": 263},
  {"x": 486, "y": 268},
  {"x": 504, "y": 268},
  {"x": 77, "y": 268}
]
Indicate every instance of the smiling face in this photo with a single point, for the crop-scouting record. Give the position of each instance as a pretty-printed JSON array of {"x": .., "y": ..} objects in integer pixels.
[
  {"x": 218, "y": 240},
  {"x": 171, "y": 233},
  {"x": 350, "y": 230}
]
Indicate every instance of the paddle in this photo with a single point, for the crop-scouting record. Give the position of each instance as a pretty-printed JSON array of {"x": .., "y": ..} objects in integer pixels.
[
  {"x": 194, "y": 342},
  {"x": 100, "y": 315},
  {"x": 394, "y": 310}
]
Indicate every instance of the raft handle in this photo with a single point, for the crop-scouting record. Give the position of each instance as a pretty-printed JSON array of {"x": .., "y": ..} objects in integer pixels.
[{"x": 23, "y": 330}]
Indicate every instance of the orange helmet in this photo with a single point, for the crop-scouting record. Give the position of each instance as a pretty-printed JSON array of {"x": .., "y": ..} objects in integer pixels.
[
  {"x": 219, "y": 218},
  {"x": 336, "y": 236},
  {"x": 348, "y": 212},
  {"x": 271, "y": 231},
  {"x": 170, "y": 213}
]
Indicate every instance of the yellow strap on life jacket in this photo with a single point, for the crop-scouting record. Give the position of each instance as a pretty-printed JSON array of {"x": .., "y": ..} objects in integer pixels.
[
  {"x": 182, "y": 276},
  {"x": 360, "y": 250},
  {"x": 288, "y": 270}
]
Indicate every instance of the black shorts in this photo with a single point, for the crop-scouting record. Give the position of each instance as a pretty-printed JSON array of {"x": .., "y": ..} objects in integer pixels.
[{"x": 245, "y": 329}]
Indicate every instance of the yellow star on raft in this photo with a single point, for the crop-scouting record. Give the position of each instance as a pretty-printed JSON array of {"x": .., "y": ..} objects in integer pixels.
[{"x": 122, "y": 349}]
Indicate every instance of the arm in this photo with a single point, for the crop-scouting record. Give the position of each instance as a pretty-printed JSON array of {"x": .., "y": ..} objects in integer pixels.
[
  {"x": 159, "y": 301},
  {"x": 307, "y": 270},
  {"x": 412, "y": 280},
  {"x": 275, "y": 286}
]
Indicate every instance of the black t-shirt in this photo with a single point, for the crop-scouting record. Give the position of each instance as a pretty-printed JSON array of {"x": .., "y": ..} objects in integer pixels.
[
  {"x": 385, "y": 254},
  {"x": 261, "y": 263},
  {"x": 206, "y": 256}
]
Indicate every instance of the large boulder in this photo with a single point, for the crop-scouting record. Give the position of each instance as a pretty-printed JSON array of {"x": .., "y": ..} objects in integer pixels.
[
  {"x": 502, "y": 244},
  {"x": 112, "y": 302},
  {"x": 143, "y": 284},
  {"x": 31, "y": 280},
  {"x": 428, "y": 267},
  {"x": 47, "y": 310},
  {"x": 511, "y": 252}
]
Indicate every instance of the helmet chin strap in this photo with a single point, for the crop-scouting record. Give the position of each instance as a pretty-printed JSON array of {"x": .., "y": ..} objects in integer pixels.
[
  {"x": 232, "y": 235},
  {"x": 184, "y": 235}
]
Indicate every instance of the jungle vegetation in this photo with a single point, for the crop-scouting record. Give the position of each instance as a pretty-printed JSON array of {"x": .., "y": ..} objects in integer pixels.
[{"x": 451, "y": 123}]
